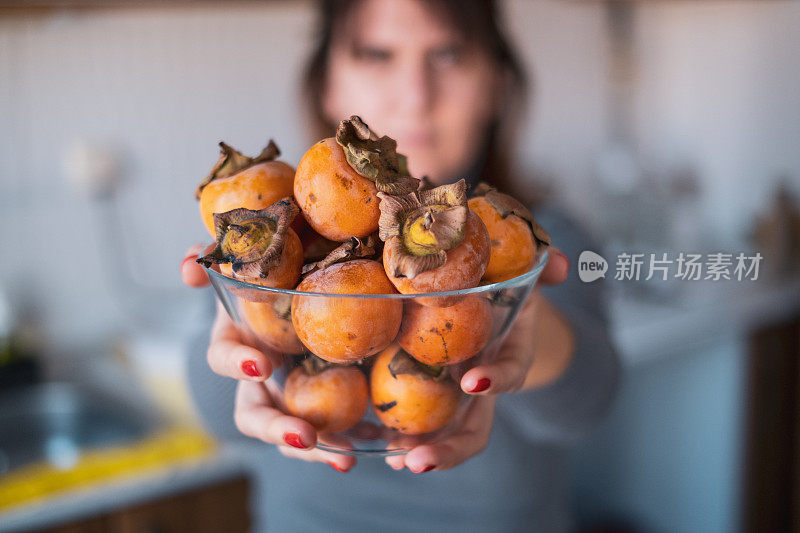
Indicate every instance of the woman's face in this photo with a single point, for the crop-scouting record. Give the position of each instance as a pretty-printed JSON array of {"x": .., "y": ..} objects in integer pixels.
[{"x": 410, "y": 76}]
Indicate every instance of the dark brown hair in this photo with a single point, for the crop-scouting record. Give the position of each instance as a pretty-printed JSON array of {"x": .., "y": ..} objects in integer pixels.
[{"x": 475, "y": 20}]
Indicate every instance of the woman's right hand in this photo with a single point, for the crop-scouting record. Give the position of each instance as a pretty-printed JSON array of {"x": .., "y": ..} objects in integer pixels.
[{"x": 256, "y": 413}]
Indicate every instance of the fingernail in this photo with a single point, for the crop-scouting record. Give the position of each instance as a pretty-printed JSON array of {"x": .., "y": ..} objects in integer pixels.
[
  {"x": 337, "y": 467},
  {"x": 249, "y": 367},
  {"x": 481, "y": 385},
  {"x": 427, "y": 469},
  {"x": 293, "y": 439}
]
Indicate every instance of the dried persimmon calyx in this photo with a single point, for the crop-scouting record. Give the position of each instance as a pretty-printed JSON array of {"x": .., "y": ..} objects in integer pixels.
[
  {"x": 251, "y": 241},
  {"x": 375, "y": 158},
  {"x": 314, "y": 365},
  {"x": 355, "y": 248},
  {"x": 506, "y": 205},
  {"x": 428, "y": 224},
  {"x": 232, "y": 161},
  {"x": 402, "y": 363}
]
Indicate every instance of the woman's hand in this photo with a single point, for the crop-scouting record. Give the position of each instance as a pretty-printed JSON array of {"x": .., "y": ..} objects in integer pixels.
[
  {"x": 538, "y": 348},
  {"x": 536, "y": 351},
  {"x": 256, "y": 412}
]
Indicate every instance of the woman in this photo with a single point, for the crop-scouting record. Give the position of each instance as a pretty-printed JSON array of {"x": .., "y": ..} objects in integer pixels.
[{"x": 439, "y": 77}]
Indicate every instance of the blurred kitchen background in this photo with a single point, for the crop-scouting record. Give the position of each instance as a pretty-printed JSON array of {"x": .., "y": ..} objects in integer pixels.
[{"x": 663, "y": 125}]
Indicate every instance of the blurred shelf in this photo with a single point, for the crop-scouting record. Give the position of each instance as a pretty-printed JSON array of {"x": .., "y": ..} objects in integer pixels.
[{"x": 646, "y": 331}]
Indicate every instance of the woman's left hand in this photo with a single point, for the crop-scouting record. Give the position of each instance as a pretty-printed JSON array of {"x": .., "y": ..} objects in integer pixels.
[{"x": 527, "y": 358}]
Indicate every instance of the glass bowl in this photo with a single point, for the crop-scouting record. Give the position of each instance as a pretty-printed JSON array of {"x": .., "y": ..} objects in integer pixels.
[{"x": 472, "y": 319}]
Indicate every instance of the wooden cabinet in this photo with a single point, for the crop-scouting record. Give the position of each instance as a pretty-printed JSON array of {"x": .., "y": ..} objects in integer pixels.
[
  {"x": 215, "y": 508},
  {"x": 170, "y": 515},
  {"x": 772, "y": 453},
  {"x": 94, "y": 525}
]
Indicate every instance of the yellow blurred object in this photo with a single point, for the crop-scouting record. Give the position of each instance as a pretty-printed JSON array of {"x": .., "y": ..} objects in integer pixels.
[{"x": 41, "y": 480}]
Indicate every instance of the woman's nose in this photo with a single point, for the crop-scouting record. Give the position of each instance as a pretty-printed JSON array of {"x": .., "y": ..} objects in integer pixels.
[{"x": 416, "y": 88}]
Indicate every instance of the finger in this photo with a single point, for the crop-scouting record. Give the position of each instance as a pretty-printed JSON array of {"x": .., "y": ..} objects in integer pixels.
[
  {"x": 228, "y": 356},
  {"x": 505, "y": 374},
  {"x": 342, "y": 463},
  {"x": 398, "y": 441},
  {"x": 192, "y": 273},
  {"x": 557, "y": 268},
  {"x": 397, "y": 462},
  {"x": 257, "y": 417},
  {"x": 325, "y": 455},
  {"x": 469, "y": 440}
]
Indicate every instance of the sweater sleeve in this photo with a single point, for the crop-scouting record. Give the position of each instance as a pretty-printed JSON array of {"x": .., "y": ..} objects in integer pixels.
[
  {"x": 576, "y": 401},
  {"x": 213, "y": 395}
]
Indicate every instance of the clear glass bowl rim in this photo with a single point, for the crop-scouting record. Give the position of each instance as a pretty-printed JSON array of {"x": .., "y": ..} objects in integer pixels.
[{"x": 522, "y": 279}]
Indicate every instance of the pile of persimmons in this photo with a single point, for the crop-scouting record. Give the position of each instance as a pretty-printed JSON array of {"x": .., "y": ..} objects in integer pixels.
[{"x": 351, "y": 220}]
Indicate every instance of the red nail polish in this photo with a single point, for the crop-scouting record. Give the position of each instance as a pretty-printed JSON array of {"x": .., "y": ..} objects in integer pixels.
[
  {"x": 427, "y": 469},
  {"x": 337, "y": 467},
  {"x": 293, "y": 439},
  {"x": 482, "y": 385},
  {"x": 249, "y": 367}
]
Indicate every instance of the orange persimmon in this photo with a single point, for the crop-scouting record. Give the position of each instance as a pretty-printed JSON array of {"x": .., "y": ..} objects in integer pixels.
[
  {"x": 271, "y": 322},
  {"x": 331, "y": 398},
  {"x": 434, "y": 242},
  {"x": 446, "y": 335},
  {"x": 249, "y": 182},
  {"x": 338, "y": 178},
  {"x": 411, "y": 397},
  {"x": 515, "y": 237},
  {"x": 258, "y": 246},
  {"x": 346, "y": 329}
]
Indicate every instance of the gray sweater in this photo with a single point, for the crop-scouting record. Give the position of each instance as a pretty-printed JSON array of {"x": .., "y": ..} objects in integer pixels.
[{"x": 519, "y": 483}]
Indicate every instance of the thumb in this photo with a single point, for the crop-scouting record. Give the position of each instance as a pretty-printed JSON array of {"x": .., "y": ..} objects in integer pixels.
[
  {"x": 192, "y": 273},
  {"x": 557, "y": 268}
]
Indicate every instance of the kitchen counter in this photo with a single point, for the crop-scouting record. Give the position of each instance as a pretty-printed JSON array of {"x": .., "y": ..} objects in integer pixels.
[{"x": 227, "y": 462}]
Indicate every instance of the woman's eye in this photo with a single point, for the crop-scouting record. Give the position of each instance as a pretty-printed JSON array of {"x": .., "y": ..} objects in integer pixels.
[
  {"x": 372, "y": 55},
  {"x": 447, "y": 56}
]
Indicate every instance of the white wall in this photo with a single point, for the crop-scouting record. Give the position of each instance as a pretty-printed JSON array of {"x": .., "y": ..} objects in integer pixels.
[
  {"x": 565, "y": 48},
  {"x": 720, "y": 87},
  {"x": 165, "y": 85}
]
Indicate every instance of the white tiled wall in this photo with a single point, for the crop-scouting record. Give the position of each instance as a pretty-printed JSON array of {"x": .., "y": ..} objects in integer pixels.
[{"x": 164, "y": 86}]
